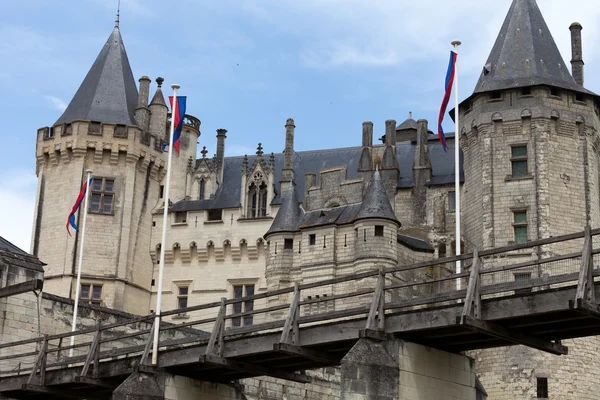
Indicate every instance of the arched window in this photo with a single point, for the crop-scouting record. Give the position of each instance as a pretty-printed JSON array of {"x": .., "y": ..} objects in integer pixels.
[
  {"x": 202, "y": 189},
  {"x": 257, "y": 197}
]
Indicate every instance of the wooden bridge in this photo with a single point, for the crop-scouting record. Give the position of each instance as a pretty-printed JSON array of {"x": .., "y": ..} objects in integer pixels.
[{"x": 534, "y": 294}]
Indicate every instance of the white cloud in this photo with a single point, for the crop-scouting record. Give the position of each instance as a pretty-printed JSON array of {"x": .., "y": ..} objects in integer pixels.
[
  {"x": 17, "y": 202},
  {"x": 57, "y": 103}
]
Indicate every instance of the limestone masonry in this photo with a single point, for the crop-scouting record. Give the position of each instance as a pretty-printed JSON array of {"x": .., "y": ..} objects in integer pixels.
[{"x": 238, "y": 226}]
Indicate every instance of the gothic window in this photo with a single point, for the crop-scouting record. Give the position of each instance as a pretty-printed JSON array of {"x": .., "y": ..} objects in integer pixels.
[
  {"x": 518, "y": 161},
  {"x": 103, "y": 195},
  {"x": 257, "y": 199},
  {"x": 202, "y": 189}
]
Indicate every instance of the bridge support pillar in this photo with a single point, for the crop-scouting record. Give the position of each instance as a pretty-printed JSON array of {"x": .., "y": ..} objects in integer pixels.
[
  {"x": 370, "y": 372},
  {"x": 138, "y": 386}
]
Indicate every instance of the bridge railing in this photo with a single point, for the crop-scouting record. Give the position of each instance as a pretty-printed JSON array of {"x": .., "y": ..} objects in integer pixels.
[{"x": 518, "y": 269}]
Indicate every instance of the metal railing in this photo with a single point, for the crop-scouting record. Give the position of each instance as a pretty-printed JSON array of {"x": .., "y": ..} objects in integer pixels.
[{"x": 514, "y": 270}]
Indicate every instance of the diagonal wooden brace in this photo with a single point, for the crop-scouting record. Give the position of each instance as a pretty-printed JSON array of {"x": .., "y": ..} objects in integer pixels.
[
  {"x": 146, "y": 352},
  {"x": 376, "y": 318},
  {"x": 291, "y": 322},
  {"x": 472, "y": 306},
  {"x": 215, "y": 345},
  {"x": 585, "y": 284},
  {"x": 40, "y": 363},
  {"x": 92, "y": 353}
]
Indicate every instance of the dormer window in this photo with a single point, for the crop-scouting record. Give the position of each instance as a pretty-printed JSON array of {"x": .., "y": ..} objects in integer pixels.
[{"x": 257, "y": 200}]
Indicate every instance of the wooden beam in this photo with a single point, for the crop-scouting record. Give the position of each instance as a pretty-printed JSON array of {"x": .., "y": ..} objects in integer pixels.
[
  {"x": 252, "y": 369},
  {"x": 291, "y": 322},
  {"x": 95, "y": 382},
  {"x": 304, "y": 352},
  {"x": 29, "y": 286},
  {"x": 498, "y": 331},
  {"x": 587, "y": 309},
  {"x": 43, "y": 391}
]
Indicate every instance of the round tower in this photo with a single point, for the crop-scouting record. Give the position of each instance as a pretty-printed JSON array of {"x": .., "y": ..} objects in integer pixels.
[
  {"x": 529, "y": 135},
  {"x": 100, "y": 131}
]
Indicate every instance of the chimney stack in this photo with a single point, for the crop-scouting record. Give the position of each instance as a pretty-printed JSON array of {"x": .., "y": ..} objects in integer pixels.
[
  {"x": 288, "y": 160},
  {"x": 577, "y": 52},
  {"x": 142, "y": 112},
  {"x": 367, "y": 134},
  {"x": 144, "y": 91},
  {"x": 310, "y": 180},
  {"x": 390, "y": 132},
  {"x": 220, "y": 153}
]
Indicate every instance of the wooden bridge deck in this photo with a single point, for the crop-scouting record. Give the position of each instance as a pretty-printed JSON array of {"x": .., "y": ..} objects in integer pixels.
[{"x": 476, "y": 309}]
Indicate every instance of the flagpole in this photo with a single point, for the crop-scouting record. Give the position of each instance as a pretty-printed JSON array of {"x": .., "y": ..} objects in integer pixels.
[
  {"x": 78, "y": 284},
  {"x": 455, "y": 44},
  {"x": 163, "y": 246}
]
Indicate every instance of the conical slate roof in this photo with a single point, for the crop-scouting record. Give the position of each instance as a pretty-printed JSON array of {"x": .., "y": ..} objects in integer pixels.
[
  {"x": 158, "y": 98},
  {"x": 108, "y": 93},
  {"x": 525, "y": 54},
  {"x": 376, "y": 203},
  {"x": 290, "y": 214},
  {"x": 410, "y": 123}
]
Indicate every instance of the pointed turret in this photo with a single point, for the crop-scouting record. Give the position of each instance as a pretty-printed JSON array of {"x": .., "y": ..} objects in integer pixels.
[
  {"x": 108, "y": 93},
  {"x": 290, "y": 214},
  {"x": 375, "y": 202},
  {"x": 525, "y": 54}
]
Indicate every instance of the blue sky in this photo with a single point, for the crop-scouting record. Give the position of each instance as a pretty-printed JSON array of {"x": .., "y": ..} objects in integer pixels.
[{"x": 249, "y": 65}]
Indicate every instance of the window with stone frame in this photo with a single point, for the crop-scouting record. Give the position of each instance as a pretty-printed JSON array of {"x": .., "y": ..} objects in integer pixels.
[
  {"x": 181, "y": 217},
  {"x": 240, "y": 291},
  {"x": 202, "y": 189},
  {"x": 542, "y": 388},
  {"x": 257, "y": 199},
  {"x": 520, "y": 226},
  {"x": 90, "y": 293},
  {"x": 518, "y": 160},
  {"x": 103, "y": 195},
  {"x": 182, "y": 298},
  {"x": 452, "y": 201}
]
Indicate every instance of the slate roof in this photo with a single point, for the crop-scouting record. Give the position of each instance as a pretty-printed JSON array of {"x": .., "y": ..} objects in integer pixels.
[
  {"x": 289, "y": 215},
  {"x": 408, "y": 124},
  {"x": 525, "y": 54},
  {"x": 13, "y": 256},
  {"x": 375, "y": 202},
  {"x": 228, "y": 195},
  {"x": 108, "y": 93}
]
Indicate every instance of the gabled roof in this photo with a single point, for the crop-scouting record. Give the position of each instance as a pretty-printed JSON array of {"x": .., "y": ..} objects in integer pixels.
[
  {"x": 375, "y": 202},
  {"x": 108, "y": 93},
  {"x": 290, "y": 214},
  {"x": 12, "y": 256},
  {"x": 525, "y": 54}
]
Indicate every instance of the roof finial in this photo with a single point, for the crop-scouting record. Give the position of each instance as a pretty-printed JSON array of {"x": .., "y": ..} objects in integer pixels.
[{"x": 118, "y": 10}]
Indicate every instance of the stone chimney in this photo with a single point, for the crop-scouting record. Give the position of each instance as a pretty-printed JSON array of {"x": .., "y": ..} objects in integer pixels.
[
  {"x": 390, "y": 132},
  {"x": 142, "y": 112},
  {"x": 365, "y": 163},
  {"x": 310, "y": 180},
  {"x": 221, "y": 136},
  {"x": 288, "y": 160},
  {"x": 367, "y": 134},
  {"x": 577, "y": 52},
  {"x": 421, "y": 173},
  {"x": 390, "y": 171}
]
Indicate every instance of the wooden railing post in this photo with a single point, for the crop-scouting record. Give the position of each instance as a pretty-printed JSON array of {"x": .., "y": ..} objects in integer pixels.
[
  {"x": 585, "y": 284},
  {"x": 376, "y": 318},
  {"x": 93, "y": 354},
  {"x": 215, "y": 343},
  {"x": 291, "y": 322},
  {"x": 472, "y": 306},
  {"x": 40, "y": 363}
]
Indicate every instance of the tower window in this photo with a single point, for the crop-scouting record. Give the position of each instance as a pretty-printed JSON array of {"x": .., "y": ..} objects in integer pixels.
[
  {"x": 554, "y": 92},
  {"x": 161, "y": 191},
  {"x": 181, "y": 217},
  {"x": 215, "y": 215},
  {"x": 202, "y": 189},
  {"x": 91, "y": 293},
  {"x": 288, "y": 244},
  {"x": 542, "y": 388},
  {"x": 452, "y": 201},
  {"x": 240, "y": 291},
  {"x": 379, "y": 230},
  {"x": 520, "y": 226},
  {"x": 518, "y": 161},
  {"x": 496, "y": 95},
  {"x": 579, "y": 97},
  {"x": 312, "y": 239},
  {"x": 103, "y": 195},
  {"x": 95, "y": 128},
  {"x": 526, "y": 91}
]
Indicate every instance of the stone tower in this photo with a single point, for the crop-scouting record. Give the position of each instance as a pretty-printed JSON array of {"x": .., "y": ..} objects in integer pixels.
[
  {"x": 529, "y": 133},
  {"x": 109, "y": 128}
]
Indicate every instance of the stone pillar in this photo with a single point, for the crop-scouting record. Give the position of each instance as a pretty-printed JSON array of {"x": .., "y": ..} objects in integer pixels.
[
  {"x": 421, "y": 174},
  {"x": 139, "y": 386},
  {"x": 577, "y": 52},
  {"x": 221, "y": 136},
  {"x": 369, "y": 372},
  {"x": 288, "y": 160}
]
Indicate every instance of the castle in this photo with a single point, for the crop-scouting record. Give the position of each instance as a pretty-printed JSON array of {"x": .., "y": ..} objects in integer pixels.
[{"x": 243, "y": 225}]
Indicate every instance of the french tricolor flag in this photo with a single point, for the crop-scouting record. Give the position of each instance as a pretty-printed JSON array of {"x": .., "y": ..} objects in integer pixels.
[
  {"x": 178, "y": 115},
  {"x": 449, "y": 83},
  {"x": 71, "y": 219}
]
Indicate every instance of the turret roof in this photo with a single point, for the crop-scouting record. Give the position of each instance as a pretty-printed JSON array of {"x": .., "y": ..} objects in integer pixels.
[
  {"x": 108, "y": 93},
  {"x": 289, "y": 215},
  {"x": 525, "y": 54},
  {"x": 376, "y": 203}
]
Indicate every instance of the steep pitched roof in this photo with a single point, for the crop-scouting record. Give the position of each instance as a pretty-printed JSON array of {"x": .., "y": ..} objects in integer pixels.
[
  {"x": 376, "y": 203},
  {"x": 108, "y": 93},
  {"x": 290, "y": 214},
  {"x": 525, "y": 54},
  {"x": 12, "y": 256}
]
